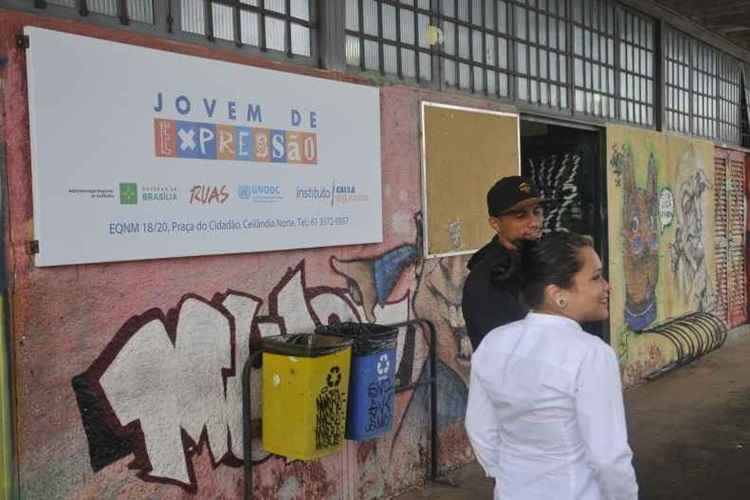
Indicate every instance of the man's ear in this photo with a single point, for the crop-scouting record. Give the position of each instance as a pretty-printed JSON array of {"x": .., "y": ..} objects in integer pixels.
[{"x": 494, "y": 223}]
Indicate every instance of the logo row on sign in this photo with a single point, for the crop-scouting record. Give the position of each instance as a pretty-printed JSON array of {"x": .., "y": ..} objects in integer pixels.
[{"x": 131, "y": 193}]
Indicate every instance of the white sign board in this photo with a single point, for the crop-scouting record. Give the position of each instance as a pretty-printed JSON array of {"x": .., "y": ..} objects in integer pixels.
[{"x": 142, "y": 154}]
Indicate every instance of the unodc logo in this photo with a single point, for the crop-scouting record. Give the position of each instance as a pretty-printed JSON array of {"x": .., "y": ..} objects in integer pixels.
[{"x": 383, "y": 365}]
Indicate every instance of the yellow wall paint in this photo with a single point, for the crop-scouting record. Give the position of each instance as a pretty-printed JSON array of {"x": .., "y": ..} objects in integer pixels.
[
  {"x": 6, "y": 446},
  {"x": 684, "y": 168}
]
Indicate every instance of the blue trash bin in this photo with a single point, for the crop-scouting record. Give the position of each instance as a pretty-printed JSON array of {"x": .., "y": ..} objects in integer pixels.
[{"x": 372, "y": 386}]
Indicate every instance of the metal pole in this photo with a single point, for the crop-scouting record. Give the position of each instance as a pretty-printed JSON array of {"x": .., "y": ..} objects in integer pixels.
[
  {"x": 432, "y": 380},
  {"x": 433, "y": 400}
]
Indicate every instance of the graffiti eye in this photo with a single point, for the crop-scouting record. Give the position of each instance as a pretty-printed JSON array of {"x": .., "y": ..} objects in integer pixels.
[{"x": 634, "y": 224}]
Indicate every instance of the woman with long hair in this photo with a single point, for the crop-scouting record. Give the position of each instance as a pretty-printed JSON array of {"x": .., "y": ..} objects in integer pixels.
[{"x": 545, "y": 414}]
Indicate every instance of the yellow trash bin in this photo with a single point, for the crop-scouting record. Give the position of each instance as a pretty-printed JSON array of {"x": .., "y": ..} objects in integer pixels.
[{"x": 305, "y": 391}]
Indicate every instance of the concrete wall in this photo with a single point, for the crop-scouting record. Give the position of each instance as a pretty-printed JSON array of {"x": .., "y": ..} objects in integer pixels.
[
  {"x": 128, "y": 374},
  {"x": 661, "y": 241}
]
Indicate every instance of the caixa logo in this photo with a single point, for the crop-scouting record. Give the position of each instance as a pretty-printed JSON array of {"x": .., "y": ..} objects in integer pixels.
[
  {"x": 260, "y": 193},
  {"x": 207, "y": 195},
  {"x": 347, "y": 193}
]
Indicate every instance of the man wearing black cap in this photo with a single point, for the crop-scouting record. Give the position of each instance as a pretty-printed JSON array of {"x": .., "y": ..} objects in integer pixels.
[{"x": 491, "y": 291}]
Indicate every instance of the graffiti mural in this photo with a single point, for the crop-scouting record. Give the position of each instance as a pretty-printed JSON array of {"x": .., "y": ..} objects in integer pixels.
[
  {"x": 661, "y": 244},
  {"x": 688, "y": 249},
  {"x": 556, "y": 177},
  {"x": 168, "y": 384},
  {"x": 640, "y": 233}
]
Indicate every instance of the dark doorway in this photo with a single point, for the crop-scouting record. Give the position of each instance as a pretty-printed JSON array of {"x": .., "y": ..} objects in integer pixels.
[{"x": 566, "y": 164}]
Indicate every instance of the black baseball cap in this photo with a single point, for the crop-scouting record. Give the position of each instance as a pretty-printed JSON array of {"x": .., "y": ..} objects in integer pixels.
[{"x": 511, "y": 193}]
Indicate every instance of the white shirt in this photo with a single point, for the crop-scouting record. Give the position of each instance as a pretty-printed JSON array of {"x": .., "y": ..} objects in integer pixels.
[{"x": 545, "y": 414}]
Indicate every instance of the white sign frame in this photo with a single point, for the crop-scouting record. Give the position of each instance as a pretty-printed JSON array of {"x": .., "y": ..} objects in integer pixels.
[
  {"x": 426, "y": 104},
  {"x": 124, "y": 166}
]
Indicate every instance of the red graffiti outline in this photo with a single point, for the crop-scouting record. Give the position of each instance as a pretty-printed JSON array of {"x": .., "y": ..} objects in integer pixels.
[{"x": 132, "y": 432}]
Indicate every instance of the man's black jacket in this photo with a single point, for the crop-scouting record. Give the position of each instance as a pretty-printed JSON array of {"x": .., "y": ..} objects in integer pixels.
[{"x": 492, "y": 290}]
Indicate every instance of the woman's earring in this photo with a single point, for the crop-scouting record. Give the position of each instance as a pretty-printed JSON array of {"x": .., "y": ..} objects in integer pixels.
[{"x": 562, "y": 303}]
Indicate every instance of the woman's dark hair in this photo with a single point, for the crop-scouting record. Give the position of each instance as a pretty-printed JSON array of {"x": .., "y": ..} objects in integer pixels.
[{"x": 553, "y": 260}]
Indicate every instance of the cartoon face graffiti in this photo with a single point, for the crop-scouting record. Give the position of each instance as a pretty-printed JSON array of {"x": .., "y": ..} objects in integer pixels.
[
  {"x": 640, "y": 236},
  {"x": 438, "y": 294},
  {"x": 371, "y": 280}
]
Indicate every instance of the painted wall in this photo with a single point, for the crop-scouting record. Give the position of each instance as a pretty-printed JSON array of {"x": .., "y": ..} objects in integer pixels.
[
  {"x": 128, "y": 374},
  {"x": 661, "y": 219},
  {"x": 6, "y": 442}
]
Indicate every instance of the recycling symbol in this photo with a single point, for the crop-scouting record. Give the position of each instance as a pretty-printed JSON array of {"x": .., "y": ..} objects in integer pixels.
[
  {"x": 383, "y": 365},
  {"x": 334, "y": 377}
]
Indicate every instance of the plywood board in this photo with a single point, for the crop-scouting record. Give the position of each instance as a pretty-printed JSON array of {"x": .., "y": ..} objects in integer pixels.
[{"x": 465, "y": 151}]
